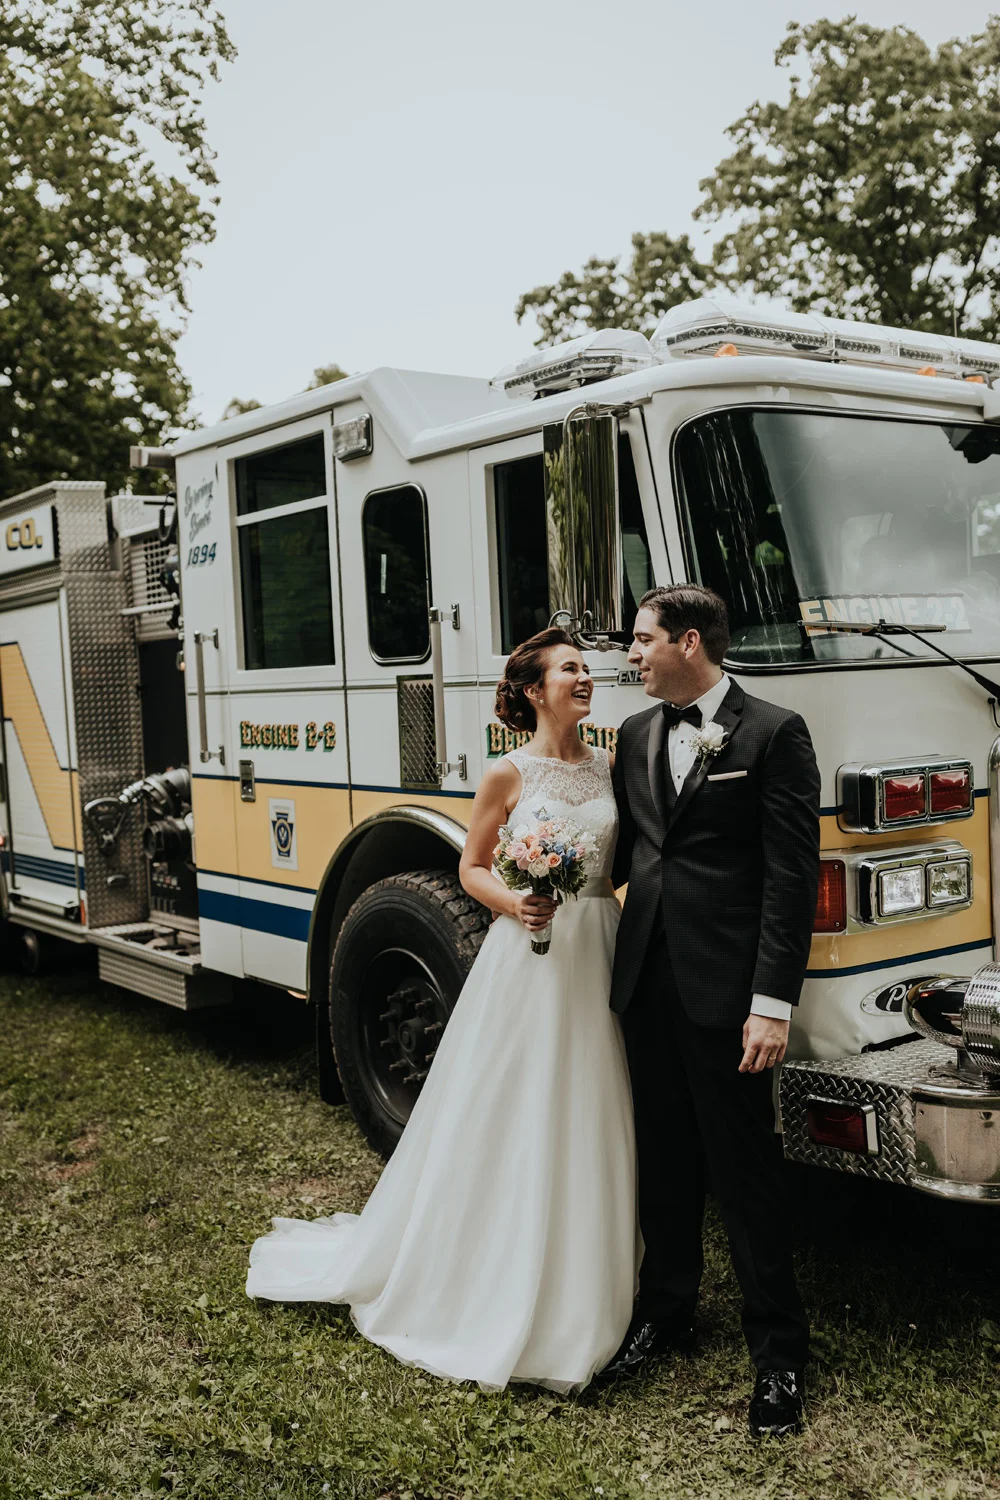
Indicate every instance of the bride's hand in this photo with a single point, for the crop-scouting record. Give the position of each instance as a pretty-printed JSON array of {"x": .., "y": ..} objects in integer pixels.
[{"x": 533, "y": 912}]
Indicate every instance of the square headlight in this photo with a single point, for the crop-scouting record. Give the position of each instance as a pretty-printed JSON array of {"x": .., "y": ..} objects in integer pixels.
[
  {"x": 901, "y": 890},
  {"x": 948, "y": 882}
]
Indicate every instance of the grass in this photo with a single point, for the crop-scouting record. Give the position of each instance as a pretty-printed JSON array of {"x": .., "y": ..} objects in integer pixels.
[{"x": 141, "y": 1151}]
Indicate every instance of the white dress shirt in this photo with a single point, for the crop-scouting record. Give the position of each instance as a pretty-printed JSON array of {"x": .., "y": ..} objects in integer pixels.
[{"x": 680, "y": 753}]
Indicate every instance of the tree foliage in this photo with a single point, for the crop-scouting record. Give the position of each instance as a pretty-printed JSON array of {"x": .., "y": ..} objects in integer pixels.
[
  {"x": 238, "y": 407},
  {"x": 322, "y": 375},
  {"x": 325, "y": 375},
  {"x": 96, "y": 236},
  {"x": 634, "y": 293},
  {"x": 874, "y": 192}
]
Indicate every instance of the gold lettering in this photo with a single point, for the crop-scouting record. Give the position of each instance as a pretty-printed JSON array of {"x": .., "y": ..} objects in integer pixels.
[
  {"x": 494, "y": 739},
  {"x": 293, "y": 736},
  {"x": 13, "y": 536},
  {"x": 265, "y": 734},
  {"x": 255, "y": 738},
  {"x": 28, "y": 533},
  {"x": 312, "y": 735},
  {"x": 329, "y": 735},
  {"x": 244, "y": 731},
  {"x": 282, "y": 736}
]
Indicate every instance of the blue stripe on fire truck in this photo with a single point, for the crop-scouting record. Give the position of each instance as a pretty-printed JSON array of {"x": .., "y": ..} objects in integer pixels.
[
  {"x": 261, "y": 916},
  {"x": 36, "y": 868}
]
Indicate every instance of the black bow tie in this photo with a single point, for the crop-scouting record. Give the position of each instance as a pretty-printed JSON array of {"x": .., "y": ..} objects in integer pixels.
[{"x": 673, "y": 715}]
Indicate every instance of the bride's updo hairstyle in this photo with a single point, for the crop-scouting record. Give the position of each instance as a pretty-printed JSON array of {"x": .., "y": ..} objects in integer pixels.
[{"x": 526, "y": 668}]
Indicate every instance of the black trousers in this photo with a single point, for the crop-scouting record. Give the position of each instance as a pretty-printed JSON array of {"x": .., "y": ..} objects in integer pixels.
[{"x": 699, "y": 1121}]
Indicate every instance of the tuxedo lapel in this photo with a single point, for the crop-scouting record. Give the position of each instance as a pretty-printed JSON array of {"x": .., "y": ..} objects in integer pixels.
[
  {"x": 728, "y": 715},
  {"x": 655, "y": 747}
]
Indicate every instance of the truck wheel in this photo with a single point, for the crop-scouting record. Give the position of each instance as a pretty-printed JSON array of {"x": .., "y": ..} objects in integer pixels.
[{"x": 401, "y": 958}]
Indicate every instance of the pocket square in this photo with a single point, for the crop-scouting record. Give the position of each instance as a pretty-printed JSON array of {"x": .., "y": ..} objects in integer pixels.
[{"x": 726, "y": 775}]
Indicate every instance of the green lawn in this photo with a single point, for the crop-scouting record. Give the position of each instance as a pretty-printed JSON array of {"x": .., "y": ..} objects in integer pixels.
[{"x": 140, "y": 1153}]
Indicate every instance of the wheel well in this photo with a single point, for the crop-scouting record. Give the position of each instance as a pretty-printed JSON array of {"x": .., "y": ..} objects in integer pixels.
[{"x": 387, "y": 846}]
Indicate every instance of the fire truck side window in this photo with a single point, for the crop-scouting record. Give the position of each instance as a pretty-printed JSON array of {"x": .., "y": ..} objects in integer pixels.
[
  {"x": 280, "y": 476},
  {"x": 522, "y": 558},
  {"x": 287, "y": 606},
  {"x": 285, "y": 558},
  {"x": 522, "y": 565},
  {"x": 397, "y": 579}
]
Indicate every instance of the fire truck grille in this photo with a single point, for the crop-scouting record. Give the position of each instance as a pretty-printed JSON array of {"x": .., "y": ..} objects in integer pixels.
[
  {"x": 417, "y": 754},
  {"x": 147, "y": 558}
]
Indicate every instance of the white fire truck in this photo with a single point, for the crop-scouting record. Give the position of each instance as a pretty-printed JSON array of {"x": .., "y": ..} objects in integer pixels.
[{"x": 242, "y": 728}]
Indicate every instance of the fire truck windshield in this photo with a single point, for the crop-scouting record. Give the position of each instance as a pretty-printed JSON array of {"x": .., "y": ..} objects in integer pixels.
[{"x": 798, "y": 518}]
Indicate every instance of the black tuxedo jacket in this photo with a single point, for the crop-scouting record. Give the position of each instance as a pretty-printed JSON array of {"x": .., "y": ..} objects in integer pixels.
[{"x": 734, "y": 862}]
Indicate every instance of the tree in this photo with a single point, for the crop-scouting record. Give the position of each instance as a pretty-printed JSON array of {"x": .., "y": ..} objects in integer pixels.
[
  {"x": 322, "y": 375},
  {"x": 96, "y": 237},
  {"x": 325, "y": 375},
  {"x": 238, "y": 408},
  {"x": 874, "y": 193},
  {"x": 634, "y": 293}
]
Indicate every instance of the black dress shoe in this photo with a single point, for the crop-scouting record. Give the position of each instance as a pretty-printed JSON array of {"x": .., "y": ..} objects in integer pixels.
[
  {"x": 643, "y": 1342},
  {"x": 776, "y": 1404}
]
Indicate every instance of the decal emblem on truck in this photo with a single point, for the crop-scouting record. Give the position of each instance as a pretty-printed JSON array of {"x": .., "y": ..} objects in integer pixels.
[{"x": 284, "y": 850}]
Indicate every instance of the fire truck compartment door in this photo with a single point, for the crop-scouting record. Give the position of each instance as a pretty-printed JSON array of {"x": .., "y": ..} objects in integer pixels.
[{"x": 41, "y": 857}]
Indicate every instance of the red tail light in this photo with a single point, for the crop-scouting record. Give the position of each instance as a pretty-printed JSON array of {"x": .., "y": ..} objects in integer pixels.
[
  {"x": 903, "y": 797},
  {"x": 951, "y": 791},
  {"x": 847, "y": 1127},
  {"x": 831, "y": 902}
]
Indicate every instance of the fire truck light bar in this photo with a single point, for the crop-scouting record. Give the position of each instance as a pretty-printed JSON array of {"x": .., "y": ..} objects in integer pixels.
[
  {"x": 723, "y": 325},
  {"x": 594, "y": 356}
]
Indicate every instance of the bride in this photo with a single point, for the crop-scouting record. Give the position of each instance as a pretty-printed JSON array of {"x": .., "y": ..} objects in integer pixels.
[{"x": 501, "y": 1242}]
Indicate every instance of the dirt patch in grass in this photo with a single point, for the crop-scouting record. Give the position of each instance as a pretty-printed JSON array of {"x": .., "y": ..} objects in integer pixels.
[
  {"x": 318, "y": 1190},
  {"x": 143, "y": 1150}
]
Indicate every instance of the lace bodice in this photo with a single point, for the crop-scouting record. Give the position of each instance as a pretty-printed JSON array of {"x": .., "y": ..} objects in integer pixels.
[{"x": 580, "y": 790}]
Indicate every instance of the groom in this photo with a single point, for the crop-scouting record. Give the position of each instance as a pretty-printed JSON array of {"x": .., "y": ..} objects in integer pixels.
[{"x": 718, "y": 800}]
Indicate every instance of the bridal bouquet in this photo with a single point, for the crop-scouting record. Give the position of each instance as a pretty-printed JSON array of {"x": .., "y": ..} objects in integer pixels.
[{"x": 550, "y": 858}]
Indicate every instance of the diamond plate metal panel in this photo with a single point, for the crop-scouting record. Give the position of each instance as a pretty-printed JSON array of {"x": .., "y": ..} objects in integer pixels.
[
  {"x": 82, "y": 525},
  {"x": 105, "y": 674},
  {"x": 883, "y": 1079},
  {"x": 417, "y": 750}
]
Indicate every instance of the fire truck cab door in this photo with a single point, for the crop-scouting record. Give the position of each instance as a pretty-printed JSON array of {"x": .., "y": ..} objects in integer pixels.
[{"x": 41, "y": 859}]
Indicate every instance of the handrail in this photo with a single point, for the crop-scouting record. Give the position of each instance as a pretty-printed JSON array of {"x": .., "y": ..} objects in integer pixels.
[
  {"x": 442, "y": 764},
  {"x": 205, "y": 754}
]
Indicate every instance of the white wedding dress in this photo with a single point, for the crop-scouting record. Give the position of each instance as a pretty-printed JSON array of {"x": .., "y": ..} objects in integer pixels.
[{"x": 501, "y": 1242}]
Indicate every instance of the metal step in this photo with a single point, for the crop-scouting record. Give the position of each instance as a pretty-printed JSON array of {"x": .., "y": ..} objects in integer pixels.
[{"x": 147, "y": 959}]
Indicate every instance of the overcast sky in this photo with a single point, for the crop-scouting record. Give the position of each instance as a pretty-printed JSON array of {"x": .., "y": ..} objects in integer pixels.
[{"x": 394, "y": 174}]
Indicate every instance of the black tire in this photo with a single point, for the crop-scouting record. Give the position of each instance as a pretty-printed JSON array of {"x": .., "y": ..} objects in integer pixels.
[{"x": 400, "y": 960}]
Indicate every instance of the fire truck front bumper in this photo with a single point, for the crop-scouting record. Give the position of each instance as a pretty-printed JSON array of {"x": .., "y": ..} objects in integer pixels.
[{"x": 912, "y": 1115}]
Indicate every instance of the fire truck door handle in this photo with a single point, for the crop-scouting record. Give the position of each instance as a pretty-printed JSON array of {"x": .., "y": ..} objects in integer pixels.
[
  {"x": 200, "y": 637},
  {"x": 443, "y": 765}
]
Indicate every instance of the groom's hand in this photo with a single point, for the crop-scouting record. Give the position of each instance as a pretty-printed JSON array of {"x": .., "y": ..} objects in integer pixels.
[{"x": 764, "y": 1043}]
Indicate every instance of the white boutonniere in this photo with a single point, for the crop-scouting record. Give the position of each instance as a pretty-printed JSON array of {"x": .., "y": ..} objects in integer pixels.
[{"x": 708, "y": 742}]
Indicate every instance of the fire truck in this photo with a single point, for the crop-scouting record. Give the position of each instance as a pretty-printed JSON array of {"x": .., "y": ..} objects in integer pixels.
[{"x": 242, "y": 726}]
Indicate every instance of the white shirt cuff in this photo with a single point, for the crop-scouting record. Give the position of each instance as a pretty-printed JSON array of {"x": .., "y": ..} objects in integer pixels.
[{"x": 766, "y": 1005}]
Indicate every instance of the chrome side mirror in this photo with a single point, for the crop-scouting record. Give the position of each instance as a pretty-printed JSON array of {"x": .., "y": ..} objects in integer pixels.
[{"x": 586, "y": 578}]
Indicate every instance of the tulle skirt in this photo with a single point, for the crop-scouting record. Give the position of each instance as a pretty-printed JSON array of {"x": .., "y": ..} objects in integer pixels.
[{"x": 501, "y": 1242}]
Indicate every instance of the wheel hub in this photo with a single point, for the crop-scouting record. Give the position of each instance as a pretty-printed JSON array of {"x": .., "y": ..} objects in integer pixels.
[{"x": 402, "y": 1036}]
